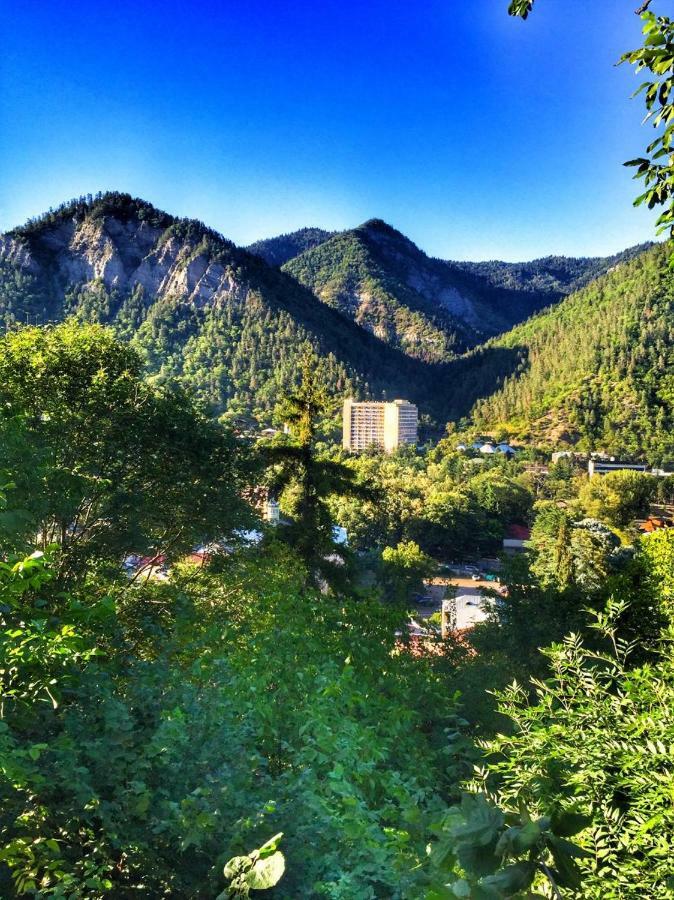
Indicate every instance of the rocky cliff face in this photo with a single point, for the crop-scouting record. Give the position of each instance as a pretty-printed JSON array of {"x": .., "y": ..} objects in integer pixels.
[
  {"x": 120, "y": 256},
  {"x": 204, "y": 312}
]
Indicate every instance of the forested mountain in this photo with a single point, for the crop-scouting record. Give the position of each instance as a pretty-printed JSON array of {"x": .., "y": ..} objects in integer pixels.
[
  {"x": 596, "y": 370},
  {"x": 210, "y": 315},
  {"x": 553, "y": 276},
  {"x": 377, "y": 277},
  {"x": 390, "y": 320},
  {"x": 278, "y": 250},
  {"x": 429, "y": 308}
]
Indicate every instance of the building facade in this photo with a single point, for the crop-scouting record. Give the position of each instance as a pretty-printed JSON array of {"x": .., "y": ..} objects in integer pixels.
[
  {"x": 384, "y": 425},
  {"x": 604, "y": 466}
]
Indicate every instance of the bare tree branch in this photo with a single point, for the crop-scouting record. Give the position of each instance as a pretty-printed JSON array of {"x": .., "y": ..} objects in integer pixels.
[{"x": 644, "y": 6}]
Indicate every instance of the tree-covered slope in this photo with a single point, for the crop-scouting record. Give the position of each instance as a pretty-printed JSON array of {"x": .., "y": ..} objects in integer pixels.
[
  {"x": 429, "y": 308},
  {"x": 389, "y": 321},
  {"x": 278, "y": 250},
  {"x": 380, "y": 279},
  {"x": 596, "y": 370},
  {"x": 204, "y": 312},
  {"x": 551, "y": 276}
]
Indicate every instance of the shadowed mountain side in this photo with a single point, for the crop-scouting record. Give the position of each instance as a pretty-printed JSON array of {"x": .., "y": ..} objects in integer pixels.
[{"x": 465, "y": 381}]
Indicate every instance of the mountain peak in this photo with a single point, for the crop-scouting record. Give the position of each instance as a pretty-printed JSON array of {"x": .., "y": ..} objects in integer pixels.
[
  {"x": 379, "y": 226},
  {"x": 118, "y": 204}
]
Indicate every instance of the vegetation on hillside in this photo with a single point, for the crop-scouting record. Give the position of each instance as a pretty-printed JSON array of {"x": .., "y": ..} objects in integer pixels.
[
  {"x": 279, "y": 250},
  {"x": 594, "y": 371},
  {"x": 431, "y": 309},
  {"x": 354, "y": 273},
  {"x": 161, "y": 720},
  {"x": 218, "y": 321},
  {"x": 205, "y": 314},
  {"x": 552, "y": 277}
]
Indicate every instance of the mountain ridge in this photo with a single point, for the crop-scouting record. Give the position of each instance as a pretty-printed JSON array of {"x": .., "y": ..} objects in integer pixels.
[
  {"x": 204, "y": 312},
  {"x": 283, "y": 247},
  {"x": 224, "y": 323},
  {"x": 433, "y": 309}
]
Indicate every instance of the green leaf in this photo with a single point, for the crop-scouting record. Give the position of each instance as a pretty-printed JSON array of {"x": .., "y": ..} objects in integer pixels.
[
  {"x": 236, "y": 865},
  {"x": 266, "y": 872},
  {"x": 270, "y": 846},
  {"x": 526, "y": 837},
  {"x": 511, "y": 879}
]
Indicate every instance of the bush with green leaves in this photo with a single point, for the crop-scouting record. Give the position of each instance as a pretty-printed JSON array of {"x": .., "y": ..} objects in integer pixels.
[
  {"x": 103, "y": 464},
  {"x": 598, "y": 739}
]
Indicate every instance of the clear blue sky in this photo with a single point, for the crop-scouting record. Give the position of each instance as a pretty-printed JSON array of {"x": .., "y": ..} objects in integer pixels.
[{"x": 477, "y": 135}]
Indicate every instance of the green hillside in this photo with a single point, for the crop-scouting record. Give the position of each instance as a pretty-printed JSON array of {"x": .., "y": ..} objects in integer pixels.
[
  {"x": 596, "y": 371},
  {"x": 280, "y": 249},
  {"x": 431, "y": 309},
  {"x": 377, "y": 277},
  {"x": 593, "y": 369}
]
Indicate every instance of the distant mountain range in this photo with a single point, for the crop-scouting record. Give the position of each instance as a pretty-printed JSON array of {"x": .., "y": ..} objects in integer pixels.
[
  {"x": 511, "y": 344},
  {"x": 279, "y": 250},
  {"x": 431, "y": 309}
]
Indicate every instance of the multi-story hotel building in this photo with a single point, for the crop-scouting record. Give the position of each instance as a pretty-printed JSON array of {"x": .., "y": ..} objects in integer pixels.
[{"x": 385, "y": 425}]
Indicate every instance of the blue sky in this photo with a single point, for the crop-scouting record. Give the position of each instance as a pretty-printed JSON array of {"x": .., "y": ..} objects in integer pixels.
[{"x": 477, "y": 135}]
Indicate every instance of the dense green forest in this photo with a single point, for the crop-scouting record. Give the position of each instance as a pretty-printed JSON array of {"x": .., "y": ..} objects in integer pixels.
[
  {"x": 430, "y": 308},
  {"x": 550, "y": 276},
  {"x": 200, "y": 700},
  {"x": 165, "y": 713},
  {"x": 222, "y": 323},
  {"x": 594, "y": 371},
  {"x": 279, "y": 250},
  {"x": 360, "y": 273},
  {"x": 591, "y": 370}
]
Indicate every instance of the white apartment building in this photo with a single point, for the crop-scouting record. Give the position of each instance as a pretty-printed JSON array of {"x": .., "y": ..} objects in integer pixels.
[
  {"x": 384, "y": 425},
  {"x": 604, "y": 466}
]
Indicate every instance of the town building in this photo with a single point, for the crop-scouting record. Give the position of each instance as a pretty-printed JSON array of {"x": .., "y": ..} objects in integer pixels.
[
  {"x": 271, "y": 511},
  {"x": 604, "y": 466},
  {"x": 504, "y": 447},
  {"x": 385, "y": 425},
  {"x": 516, "y": 538}
]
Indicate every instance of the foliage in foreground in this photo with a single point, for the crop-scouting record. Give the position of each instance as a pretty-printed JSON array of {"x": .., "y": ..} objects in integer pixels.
[
  {"x": 151, "y": 732},
  {"x": 599, "y": 738}
]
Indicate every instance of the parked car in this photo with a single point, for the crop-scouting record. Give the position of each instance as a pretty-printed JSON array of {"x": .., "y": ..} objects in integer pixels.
[
  {"x": 424, "y": 599},
  {"x": 476, "y": 576}
]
